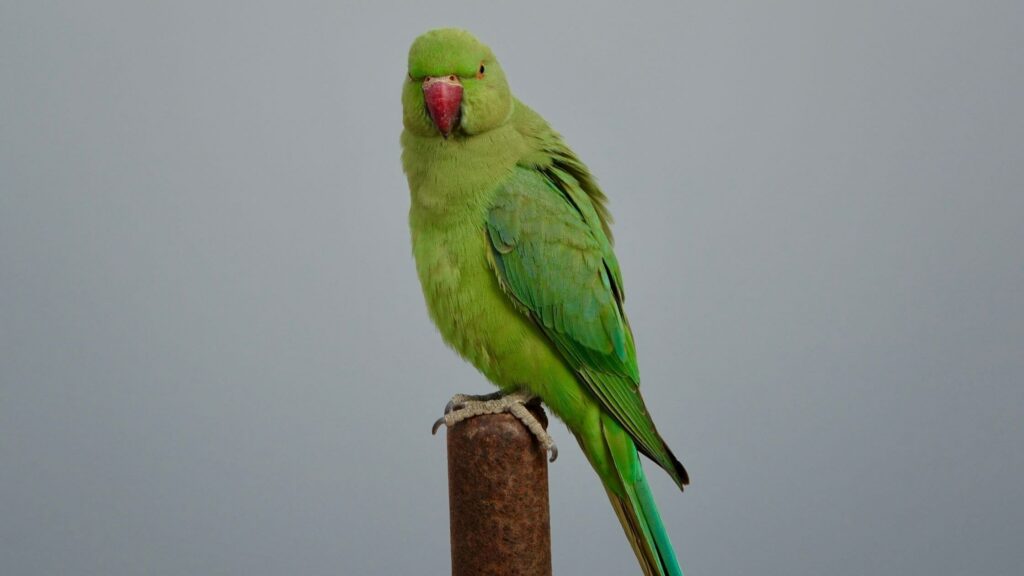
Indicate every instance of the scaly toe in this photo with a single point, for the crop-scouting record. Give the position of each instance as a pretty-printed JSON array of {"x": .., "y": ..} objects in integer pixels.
[{"x": 463, "y": 406}]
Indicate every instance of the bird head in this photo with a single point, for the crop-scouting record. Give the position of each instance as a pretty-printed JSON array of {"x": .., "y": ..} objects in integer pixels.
[{"x": 454, "y": 86}]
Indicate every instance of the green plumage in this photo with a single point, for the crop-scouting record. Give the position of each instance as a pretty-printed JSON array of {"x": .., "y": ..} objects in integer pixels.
[{"x": 513, "y": 249}]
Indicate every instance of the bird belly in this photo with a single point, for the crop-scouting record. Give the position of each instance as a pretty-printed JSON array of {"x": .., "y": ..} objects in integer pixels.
[
  {"x": 464, "y": 300},
  {"x": 480, "y": 322},
  {"x": 476, "y": 318}
]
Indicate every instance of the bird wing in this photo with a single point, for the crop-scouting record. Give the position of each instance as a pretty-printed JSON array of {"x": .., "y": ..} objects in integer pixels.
[{"x": 552, "y": 256}]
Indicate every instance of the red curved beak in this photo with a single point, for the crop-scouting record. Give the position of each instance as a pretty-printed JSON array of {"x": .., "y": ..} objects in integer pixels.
[{"x": 443, "y": 96}]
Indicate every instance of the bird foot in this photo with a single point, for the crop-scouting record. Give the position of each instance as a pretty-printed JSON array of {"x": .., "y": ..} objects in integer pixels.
[{"x": 463, "y": 407}]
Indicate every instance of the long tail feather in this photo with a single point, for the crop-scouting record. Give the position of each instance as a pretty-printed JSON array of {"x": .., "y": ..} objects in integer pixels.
[{"x": 634, "y": 505}]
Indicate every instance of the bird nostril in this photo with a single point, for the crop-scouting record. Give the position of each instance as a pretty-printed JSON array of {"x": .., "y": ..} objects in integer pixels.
[{"x": 452, "y": 78}]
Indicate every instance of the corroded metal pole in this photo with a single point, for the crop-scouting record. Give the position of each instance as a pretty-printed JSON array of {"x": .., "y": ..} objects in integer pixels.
[{"x": 498, "y": 498}]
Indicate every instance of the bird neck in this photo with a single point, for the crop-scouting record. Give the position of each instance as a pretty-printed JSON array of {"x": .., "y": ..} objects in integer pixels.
[{"x": 454, "y": 178}]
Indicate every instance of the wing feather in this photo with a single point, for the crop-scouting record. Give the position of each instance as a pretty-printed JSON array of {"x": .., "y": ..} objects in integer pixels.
[{"x": 551, "y": 254}]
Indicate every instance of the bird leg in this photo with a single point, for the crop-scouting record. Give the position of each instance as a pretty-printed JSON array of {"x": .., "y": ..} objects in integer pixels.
[{"x": 463, "y": 407}]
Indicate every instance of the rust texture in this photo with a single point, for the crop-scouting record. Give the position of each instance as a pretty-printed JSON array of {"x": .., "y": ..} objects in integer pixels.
[{"x": 498, "y": 498}]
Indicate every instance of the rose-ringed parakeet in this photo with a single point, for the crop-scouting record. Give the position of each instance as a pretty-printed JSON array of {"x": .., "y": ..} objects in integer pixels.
[{"x": 511, "y": 239}]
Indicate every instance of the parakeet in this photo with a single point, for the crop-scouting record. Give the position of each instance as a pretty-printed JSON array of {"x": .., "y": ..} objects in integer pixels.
[{"x": 511, "y": 238}]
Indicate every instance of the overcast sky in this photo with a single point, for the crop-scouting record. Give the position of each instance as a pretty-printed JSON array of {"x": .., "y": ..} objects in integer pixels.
[{"x": 215, "y": 357}]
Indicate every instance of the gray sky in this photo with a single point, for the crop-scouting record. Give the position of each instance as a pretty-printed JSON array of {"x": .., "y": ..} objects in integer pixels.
[{"x": 215, "y": 358}]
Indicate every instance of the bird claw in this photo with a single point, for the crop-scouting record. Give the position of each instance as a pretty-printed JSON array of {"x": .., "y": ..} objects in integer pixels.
[
  {"x": 463, "y": 407},
  {"x": 434, "y": 428}
]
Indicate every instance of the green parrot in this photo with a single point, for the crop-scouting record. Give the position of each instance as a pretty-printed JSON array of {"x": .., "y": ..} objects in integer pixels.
[{"x": 511, "y": 238}]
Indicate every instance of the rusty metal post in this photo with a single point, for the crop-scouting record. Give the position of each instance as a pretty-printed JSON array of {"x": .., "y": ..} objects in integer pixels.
[{"x": 498, "y": 498}]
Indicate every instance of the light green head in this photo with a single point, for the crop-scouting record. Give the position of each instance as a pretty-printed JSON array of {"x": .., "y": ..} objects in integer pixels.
[{"x": 454, "y": 87}]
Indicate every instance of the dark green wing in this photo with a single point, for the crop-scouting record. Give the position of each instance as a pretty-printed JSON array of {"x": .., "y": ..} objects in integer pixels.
[{"x": 552, "y": 255}]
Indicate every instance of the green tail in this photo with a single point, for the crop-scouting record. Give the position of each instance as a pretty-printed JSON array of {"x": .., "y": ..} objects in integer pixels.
[{"x": 634, "y": 505}]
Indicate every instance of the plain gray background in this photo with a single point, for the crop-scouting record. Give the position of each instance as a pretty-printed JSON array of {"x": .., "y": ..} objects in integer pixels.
[{"x": 215, "y": 358}]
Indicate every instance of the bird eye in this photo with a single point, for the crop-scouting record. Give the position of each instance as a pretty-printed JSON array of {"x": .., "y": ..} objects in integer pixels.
[
  {"x": 480, "y": 72},
  {"x": 481, "y": 68}
]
